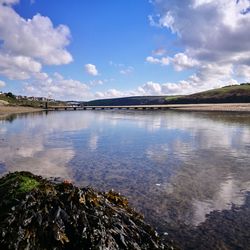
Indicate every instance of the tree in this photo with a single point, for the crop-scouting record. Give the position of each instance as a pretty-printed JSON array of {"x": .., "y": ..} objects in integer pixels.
[{"x": 9, "y": 94}]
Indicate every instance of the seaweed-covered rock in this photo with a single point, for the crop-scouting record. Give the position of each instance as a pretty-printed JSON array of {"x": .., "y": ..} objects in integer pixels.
[{"x": 36, "y": 213}]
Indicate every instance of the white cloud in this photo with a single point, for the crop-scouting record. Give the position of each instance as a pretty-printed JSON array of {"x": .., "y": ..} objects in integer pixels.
[
  {"x": 27, "y": 44},
  {"x": 18, "y": 67},
  {"x": 243, "y": 71},
  {"x": 154, "y": 88},
  {"x": 212, "y": 30},
  {"x": 162, "y": 61},
  {"x": 181, "y": 61},
  {"x": 2, "y": 83},
  {"x": 36, "y": 38},
  {"x": 198, "y": 82},
  {"x": 215, "y": 40},
  {"x": 150, "y": 88},
  {"x": 57, "y": 87},
  {"x": 91, "y": 69},
  {"x": 111, "y": 93}
]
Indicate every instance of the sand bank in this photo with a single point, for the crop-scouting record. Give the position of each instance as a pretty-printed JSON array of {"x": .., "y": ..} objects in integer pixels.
[
  {"x": 222, "y": 107},
  {"x": 8, "y": 110}
]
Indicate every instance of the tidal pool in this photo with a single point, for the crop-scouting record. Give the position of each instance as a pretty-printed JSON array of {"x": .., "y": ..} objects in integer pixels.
[{"x": 175, "y": 167}]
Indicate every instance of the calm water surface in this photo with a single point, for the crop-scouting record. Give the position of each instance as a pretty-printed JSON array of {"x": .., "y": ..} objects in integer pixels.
[{"x": 175, "y": 167}]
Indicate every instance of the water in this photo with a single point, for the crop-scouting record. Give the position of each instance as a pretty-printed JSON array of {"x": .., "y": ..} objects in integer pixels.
[{"x": 175, "y": 167}]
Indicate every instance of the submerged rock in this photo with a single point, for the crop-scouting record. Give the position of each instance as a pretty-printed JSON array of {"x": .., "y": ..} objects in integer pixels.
[{"x": 36, "y": 213}]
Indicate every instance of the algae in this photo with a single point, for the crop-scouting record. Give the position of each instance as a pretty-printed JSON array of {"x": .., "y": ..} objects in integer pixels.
[
  {"x": 17, "y": 183},
  {"x": 27, "y": 184},
  {"x": 36, "y": 213}
]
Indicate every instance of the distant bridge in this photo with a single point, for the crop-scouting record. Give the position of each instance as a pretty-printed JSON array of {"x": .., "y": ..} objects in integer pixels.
[
  {"x": 231, "y": 107},
  {"x": 138, "y": 107}
]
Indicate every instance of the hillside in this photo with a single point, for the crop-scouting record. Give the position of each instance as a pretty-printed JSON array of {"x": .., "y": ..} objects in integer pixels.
[
  {"x": 12, "y": 100},
  {"x": 134, "y": 100},
  {"x": 228, "y": 94}
]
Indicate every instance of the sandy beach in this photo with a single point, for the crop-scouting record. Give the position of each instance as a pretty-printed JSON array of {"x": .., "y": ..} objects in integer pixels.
[{"x": 221, "y": 107}]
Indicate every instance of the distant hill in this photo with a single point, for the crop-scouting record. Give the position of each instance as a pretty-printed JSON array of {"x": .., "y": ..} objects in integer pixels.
[
  {"x": 133, "y": 100},
  {"x": 228, "y": 94}
]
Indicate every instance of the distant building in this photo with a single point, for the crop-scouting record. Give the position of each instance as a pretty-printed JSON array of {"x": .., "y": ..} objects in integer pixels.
[
  {"x": 74, "y": 104},
  {"x": 19, "y": 97}
]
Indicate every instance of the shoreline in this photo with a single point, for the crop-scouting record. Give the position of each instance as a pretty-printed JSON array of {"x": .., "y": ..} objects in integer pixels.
[
  {"x": 213, "y": 107},
  {"x": 6, "y": 110}
]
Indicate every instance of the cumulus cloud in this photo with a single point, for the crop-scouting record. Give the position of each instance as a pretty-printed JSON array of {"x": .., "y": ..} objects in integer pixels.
[
  {"x": 2, "y": 84},
  {"x": 35, "y": 38},
  {"x": 162, "y": 61},
  {"x": 191, "y": 85},
  {"x": 57, "y": 87},
  {"x": 181, "y": 61},
  {"x": 214, "y": 37},
  {"x": 111, "y": 93},
  {"x": 18, "y": 67},
  {"x": 210, "y": 29},
  {"x": 91, "y": 69},
  {"x": 150, "y": 88},
  {"x": 154, "y": 88},
  {"x": 198, "y": 82},
  {"x": 27, "y": 44}
]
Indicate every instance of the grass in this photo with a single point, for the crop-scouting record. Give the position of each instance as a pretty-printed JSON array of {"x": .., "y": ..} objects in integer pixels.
[
  {"x": 172, "y": 97},
  {"x": 230, "y": 94},
  {"x": 225, "y": 90}
]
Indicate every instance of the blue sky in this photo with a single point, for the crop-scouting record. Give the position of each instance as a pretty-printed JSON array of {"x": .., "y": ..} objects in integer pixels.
[{"x": 93, "y": 49}]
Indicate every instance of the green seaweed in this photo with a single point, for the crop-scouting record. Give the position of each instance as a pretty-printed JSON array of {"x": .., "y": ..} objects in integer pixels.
[
  {"x": 18, "y": 183},
  {"x": 27, "y": 184}
]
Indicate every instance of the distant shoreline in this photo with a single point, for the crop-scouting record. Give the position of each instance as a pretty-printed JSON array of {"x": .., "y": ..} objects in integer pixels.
[
  {"x": 216, "y": 107},
  {"x": 6, "y": 110}
]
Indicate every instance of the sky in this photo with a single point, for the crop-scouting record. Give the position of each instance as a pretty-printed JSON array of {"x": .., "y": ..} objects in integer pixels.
[{"x": 95, "y": 49}]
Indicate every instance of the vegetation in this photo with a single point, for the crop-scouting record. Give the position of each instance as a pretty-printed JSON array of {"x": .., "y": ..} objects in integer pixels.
[
  {"x": 39, "y": 214},
  {"x": 228, "y": 94},
  {"x": 14, "y": 185},
  {"x": 10, "y": 95},
  {"x": 134, "y": 100},
  {"x": 26, "y": 102}
]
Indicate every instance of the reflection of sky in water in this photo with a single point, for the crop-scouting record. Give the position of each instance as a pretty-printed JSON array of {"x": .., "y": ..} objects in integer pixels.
[{"x": 172, "y": 165}]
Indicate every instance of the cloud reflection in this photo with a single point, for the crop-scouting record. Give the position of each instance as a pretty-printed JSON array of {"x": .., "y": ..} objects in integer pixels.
[{"x": 199, "y": 161}]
